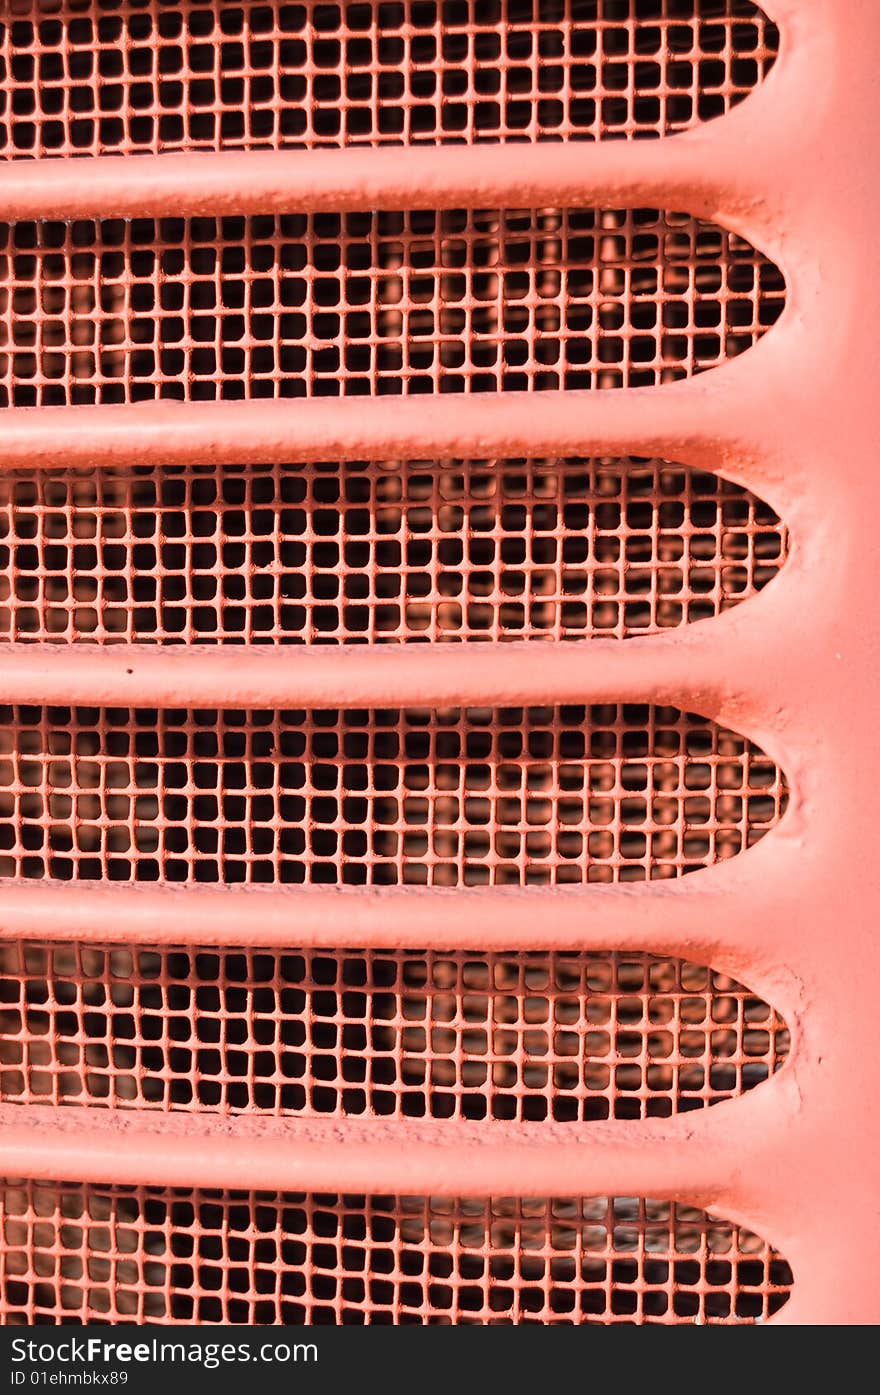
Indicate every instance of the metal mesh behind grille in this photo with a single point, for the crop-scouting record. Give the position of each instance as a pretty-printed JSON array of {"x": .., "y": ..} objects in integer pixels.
[
  {"x": 84, "y": 77},
  {"x": 410, "y": 1034},
  {"x": 116, "y": 1254},
  {"x": 510, "y": 796},
  {"x": 371, "y": 304},
  {"x": 356, "y": 553}
]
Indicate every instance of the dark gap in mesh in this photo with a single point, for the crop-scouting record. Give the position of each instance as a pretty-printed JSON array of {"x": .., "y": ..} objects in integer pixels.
[
  {"x": 472, "y": 797},
  {"x": 391, "y": 552},
  {"x": 90, "y": 77},
  {"x": 372, "y": 304},
  {"x": 98, "y": 1254},
  {"x": 526, "y": 1036}
]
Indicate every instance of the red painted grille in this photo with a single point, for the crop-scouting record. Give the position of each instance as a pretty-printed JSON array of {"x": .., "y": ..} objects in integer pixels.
[
  {"x": 371, "y": 304},
  {"x": 471, "y": 797},
  {"x": 353, "y": 553},
  {"x": 407, "y": 1034},
  {"x": 121, "y": 1254},
  {"x": 87, "y": 77},
  {"x": 340, "y": 847}
]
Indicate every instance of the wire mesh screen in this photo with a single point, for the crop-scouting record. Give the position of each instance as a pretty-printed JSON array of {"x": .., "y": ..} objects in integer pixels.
[
  {"x": 451, "y": 797},
  {"x": 371, "y": 304},
  {"x": 89, "y": 77},
  {"x": 347, "y": 553},
  {"x": 117, "y": 1254},
  {"x": 409, "y": 1033}
]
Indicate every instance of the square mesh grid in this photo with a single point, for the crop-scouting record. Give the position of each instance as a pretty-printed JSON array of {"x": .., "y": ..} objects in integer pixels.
[
  {"x": 372, "y": 304},
  {"x": 511, "y": 796},
  {"x": 121, "y": 1254},
  {"x": 405, "y": 1034},
  {"x": 89, "y": 77},
  {"x": 354, "y": 552}
]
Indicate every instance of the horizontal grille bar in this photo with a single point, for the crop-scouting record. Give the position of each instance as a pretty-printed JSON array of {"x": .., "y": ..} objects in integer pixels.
[
  {"x": 716, "y": 917},
  {"x": 442, "y": 177},
  {"x": 687, "y": 1155},
  {"x": 503, "y": 425}
]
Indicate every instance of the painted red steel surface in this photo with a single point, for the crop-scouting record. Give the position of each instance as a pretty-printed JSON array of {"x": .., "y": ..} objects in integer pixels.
[{"x": 796, "y": 669}]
